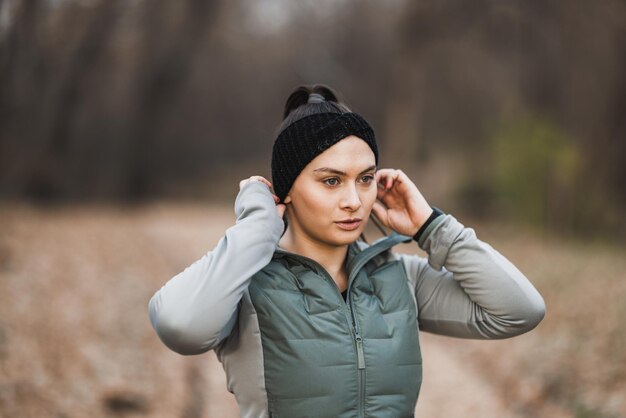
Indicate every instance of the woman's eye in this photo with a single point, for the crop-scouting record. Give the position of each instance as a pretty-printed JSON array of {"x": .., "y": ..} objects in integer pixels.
[{"x": 334, "y": 181}]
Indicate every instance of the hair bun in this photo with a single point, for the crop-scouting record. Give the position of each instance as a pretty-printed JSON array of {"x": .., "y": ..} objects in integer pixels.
[
  {"x": 316, "y": 98},
  {"x": 301, "y": 95},
  {"x": 326, "y": 92}
]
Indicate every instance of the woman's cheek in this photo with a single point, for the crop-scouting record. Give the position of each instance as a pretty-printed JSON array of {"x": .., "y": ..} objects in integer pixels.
[{"x": 318, "y": 199}]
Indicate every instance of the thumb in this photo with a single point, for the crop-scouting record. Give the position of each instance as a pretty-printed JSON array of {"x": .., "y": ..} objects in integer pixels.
[
  {"x": 381, "y": 213},
  {"x": 280, "y": 209}
]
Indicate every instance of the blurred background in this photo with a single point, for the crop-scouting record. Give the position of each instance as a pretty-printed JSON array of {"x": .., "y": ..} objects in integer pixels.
[{"x": 125, "y": 127}]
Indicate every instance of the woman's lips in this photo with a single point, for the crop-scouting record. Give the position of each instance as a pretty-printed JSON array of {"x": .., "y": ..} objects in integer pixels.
[{"x": 349, "y": 226}]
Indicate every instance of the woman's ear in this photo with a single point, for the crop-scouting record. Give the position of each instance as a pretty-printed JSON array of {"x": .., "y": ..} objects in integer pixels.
[{"x": 287, "y": 199}]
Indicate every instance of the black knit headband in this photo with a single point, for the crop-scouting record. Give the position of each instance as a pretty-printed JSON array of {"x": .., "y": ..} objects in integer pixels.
[{"x": 308, "y": 137}]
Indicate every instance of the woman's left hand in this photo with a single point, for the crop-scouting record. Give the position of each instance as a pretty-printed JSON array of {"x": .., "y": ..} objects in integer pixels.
[{"x": 403, "y": 207}]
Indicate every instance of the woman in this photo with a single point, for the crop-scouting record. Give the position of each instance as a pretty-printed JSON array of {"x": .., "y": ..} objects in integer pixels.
[{"x": 307, "y": 319}]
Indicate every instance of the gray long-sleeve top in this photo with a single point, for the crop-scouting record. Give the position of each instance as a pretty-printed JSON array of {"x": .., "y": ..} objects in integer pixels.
[{"x": 464, "y": 289}]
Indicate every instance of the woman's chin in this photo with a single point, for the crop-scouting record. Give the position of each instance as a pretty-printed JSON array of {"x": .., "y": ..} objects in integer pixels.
[{"x": 343, "y": 237}]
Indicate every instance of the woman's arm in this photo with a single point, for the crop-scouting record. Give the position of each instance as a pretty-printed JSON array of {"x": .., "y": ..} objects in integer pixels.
[
  {"x": 468, "y": 289},
  {"x": 196, "y": 309}
]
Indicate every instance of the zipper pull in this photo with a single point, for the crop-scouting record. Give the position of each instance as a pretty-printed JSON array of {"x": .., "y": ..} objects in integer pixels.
[{"x": 359, "y": 351}]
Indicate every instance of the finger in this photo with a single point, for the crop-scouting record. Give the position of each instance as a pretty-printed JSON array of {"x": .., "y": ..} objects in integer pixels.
[
  {"x": 381, "y": 193},
  {"x": 398, "y": 180},
  {"x": 250, "y": 179},
  {"x": 264, "y": 180},
  {"x": 386, "y": 189},
  {"x": 386, "y": 177},
  {"x": 393, "y": 179},
  {"x": 380, "y": 179},
  {"x": 280, "y": 209},
  {"x": 260, "y": 179},
  {"x": 381, "y": 213},
  {"x": 382, "y": 173}
]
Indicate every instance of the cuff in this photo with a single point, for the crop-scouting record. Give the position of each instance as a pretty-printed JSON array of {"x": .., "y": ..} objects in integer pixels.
[
  {"x": 421, "y": 232},
  {"x": 438, "y": 239}
]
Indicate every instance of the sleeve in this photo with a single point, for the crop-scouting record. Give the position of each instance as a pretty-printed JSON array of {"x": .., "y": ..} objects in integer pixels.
[
  {"x": 196, "y": 309},
  {"x": 467, "y": 289}
]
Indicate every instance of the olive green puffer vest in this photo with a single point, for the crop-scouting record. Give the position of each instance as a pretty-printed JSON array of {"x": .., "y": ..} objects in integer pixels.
[{"x": 324, "y": 357}]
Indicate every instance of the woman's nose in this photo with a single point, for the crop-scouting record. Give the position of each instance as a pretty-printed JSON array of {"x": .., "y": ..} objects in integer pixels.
[{"x": 351, "y": 199}]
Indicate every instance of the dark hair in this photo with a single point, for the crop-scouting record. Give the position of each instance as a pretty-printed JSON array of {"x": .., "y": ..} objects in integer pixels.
[{"x": 297, "y": 106}]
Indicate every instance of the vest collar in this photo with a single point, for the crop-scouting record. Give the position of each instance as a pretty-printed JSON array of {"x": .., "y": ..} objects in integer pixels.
[{"x": 357, "y": 257}]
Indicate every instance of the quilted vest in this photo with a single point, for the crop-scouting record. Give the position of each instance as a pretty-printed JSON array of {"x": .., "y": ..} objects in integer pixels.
[{"x": 326, "y": 357}]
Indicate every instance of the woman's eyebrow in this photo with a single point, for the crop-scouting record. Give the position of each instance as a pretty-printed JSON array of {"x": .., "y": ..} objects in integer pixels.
[{"x": 339, "y": 172}]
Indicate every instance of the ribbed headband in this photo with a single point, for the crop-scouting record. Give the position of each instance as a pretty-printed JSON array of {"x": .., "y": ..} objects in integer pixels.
[{"x": 308, "y": 137}]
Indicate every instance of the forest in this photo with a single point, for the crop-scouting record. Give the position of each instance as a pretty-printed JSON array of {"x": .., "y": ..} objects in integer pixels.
[{"x": 504, "y": 109}]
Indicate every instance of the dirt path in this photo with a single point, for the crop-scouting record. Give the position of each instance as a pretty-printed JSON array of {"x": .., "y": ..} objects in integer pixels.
[
  {"x": 75, "y": 339},
  {"x": 450, "y": 388}
]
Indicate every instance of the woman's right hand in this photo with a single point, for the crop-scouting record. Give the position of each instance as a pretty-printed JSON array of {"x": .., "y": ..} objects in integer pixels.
[{"x": 280, "y": 207}]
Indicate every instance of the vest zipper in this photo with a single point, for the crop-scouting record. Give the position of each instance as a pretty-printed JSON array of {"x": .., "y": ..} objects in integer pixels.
[
  {"x": 351, "y": 318},
  {"x": 359, "y": 347},
  {"x": 359, "y": 350}
]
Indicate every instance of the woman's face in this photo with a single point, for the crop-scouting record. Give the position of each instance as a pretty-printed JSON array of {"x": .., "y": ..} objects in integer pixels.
[{"x": 339, "y": 184}]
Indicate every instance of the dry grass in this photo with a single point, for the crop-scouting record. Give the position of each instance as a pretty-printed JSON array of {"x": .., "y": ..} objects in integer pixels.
[
  {"x": 574, "y": 363},
  {"x": 75, "y": 339}
]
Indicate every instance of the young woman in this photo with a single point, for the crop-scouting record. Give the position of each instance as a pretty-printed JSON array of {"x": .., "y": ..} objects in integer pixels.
[{"x": 308, "y": 319}]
